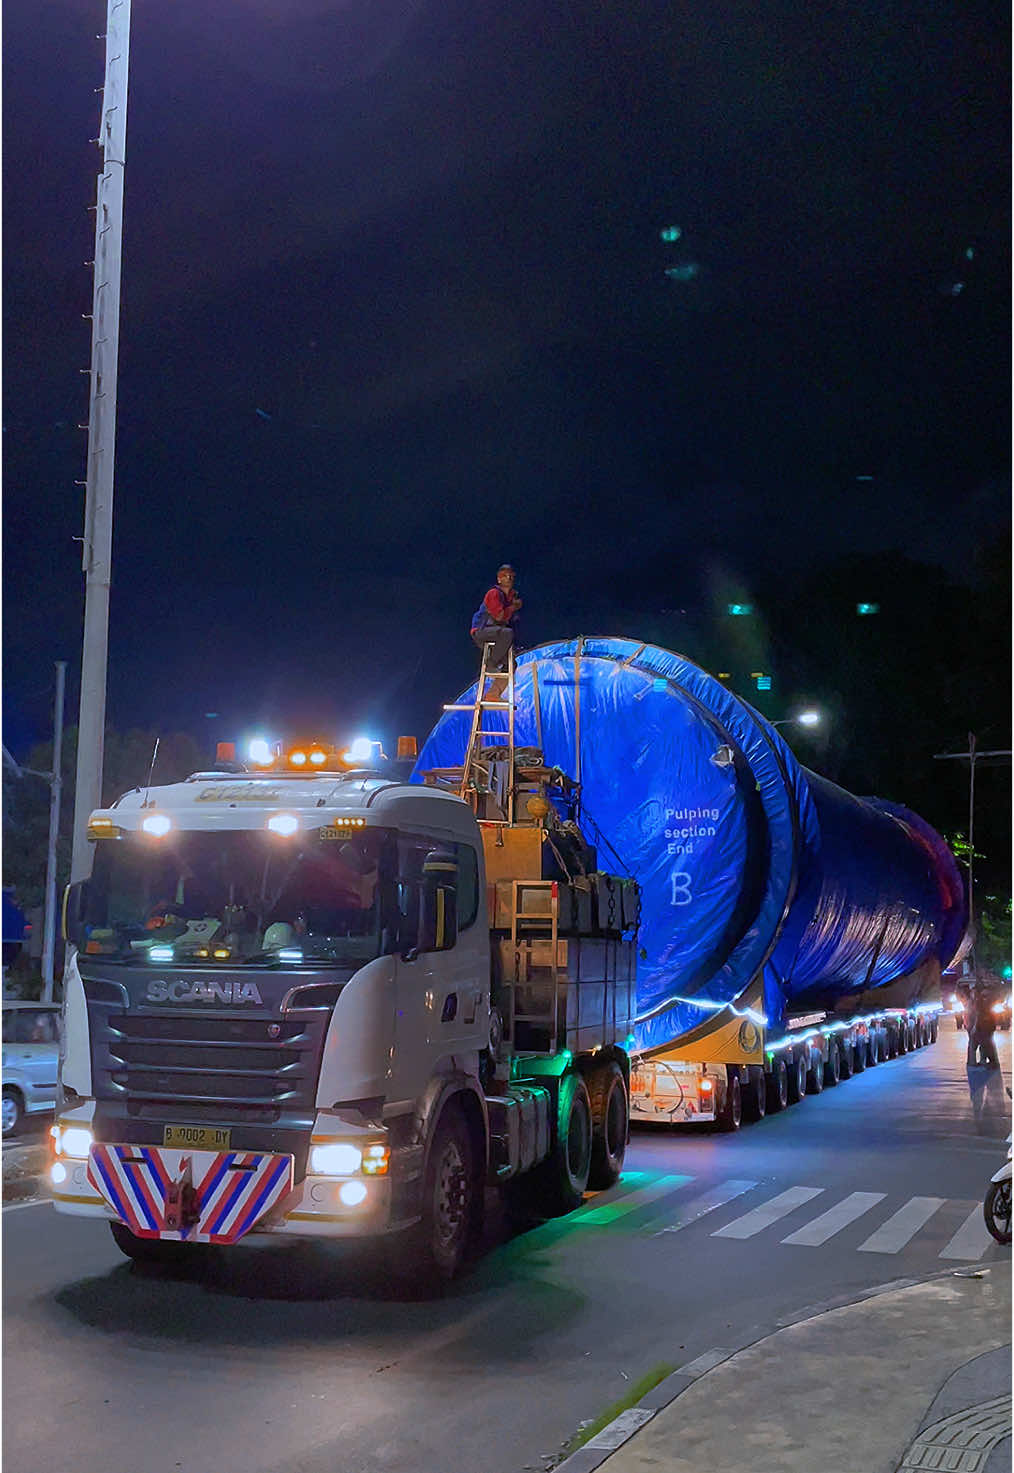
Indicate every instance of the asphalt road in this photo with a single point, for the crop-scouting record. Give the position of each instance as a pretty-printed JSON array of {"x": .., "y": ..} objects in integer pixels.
[{"x": 290, "y": 1360}]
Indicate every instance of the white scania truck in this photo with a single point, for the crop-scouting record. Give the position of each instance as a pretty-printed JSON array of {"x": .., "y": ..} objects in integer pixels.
[{"x": 305, "y": 1000}]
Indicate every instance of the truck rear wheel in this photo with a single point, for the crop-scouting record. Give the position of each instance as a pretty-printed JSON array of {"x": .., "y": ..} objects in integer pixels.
[
  {"x": 610, "y": 1115},
  {"x": 778, "y": 1086},
  {"x": 797, "y": 1079},
  {"x": 560, "y": 1183}
]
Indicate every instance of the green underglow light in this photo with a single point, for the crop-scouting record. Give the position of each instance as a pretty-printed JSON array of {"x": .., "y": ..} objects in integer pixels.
[
  {"x": 740, "y": 610},
  {"x": 867, "y": 608},
  {"x": 671, "y": 233}
]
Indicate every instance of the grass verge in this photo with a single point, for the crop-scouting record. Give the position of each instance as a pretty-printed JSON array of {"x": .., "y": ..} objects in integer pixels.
[{"x": 637, "y": 1389}]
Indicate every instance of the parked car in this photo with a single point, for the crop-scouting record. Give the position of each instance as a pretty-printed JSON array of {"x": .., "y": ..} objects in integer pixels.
[{"x": 31, "y": 1046}]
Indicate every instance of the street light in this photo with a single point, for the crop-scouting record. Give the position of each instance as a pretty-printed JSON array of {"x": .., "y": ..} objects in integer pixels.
[{"x": 804, "y": 718}]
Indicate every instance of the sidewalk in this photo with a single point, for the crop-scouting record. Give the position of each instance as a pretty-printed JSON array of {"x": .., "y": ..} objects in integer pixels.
[{"x": 914, "y": 1377}]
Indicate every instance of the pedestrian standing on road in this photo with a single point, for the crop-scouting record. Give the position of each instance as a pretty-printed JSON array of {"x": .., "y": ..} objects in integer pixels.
[
  {"x": 981, "y": 1025},
  {"x": 495, "y": 622}
]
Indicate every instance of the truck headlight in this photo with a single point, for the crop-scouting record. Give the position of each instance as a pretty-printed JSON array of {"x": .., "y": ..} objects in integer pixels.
[
  {"x": 337, "y": 1158},
  {"x": 74, "y": 1141}
]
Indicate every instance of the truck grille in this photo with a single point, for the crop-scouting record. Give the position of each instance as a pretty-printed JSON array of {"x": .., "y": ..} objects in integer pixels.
[{"x": 181, "y": 1066}]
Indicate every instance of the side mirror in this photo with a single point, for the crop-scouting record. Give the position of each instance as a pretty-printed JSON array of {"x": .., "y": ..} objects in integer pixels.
[{"x": 75, "y": 906}]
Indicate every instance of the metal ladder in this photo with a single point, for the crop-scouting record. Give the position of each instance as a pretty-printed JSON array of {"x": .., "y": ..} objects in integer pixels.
[
  {"x": 528, "y": 926},
  {"x": 471, "y": 766}
]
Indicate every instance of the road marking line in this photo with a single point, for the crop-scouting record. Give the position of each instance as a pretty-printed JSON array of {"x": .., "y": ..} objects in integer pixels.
[
  {"x": 903, "y": 1226},
  {"x": 707, "y": 1202},
  {"x": 971, "y": 1239},
  {"x": 834, "y": 1219},
  {"x": 35, "y": 1202},
  {"x": 767, "y": 1213},
  {"x": 610, "y": 1211}
]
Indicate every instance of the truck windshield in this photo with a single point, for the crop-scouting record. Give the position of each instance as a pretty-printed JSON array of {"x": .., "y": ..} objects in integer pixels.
[{"x": 247, "y": 897}]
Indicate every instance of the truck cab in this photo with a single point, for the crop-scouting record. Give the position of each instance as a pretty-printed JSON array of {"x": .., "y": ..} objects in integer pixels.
[{"x": 279, "y": 1018}]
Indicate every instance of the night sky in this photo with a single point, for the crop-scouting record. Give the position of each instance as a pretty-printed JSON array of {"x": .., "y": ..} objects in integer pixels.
[{"x": 397, "y": 306}]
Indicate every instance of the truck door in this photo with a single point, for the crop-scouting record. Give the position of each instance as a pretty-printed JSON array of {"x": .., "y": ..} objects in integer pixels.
[{"x": 445, "y": 980}]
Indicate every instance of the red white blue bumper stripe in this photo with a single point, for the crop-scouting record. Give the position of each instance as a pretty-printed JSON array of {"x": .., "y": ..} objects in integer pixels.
[{"x": 227, "y": 1191}]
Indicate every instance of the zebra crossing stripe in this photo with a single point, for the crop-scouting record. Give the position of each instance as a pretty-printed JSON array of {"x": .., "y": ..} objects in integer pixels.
[
  {"x": 767, "y": 1213},
  {"x": 609, "y": 1211},
  {"x": 828, "y": 1223},
  {"x": 706, "y": 1202},
  {"x": 971, "y": 1239},
  {"x": 905, "y": 1223}
]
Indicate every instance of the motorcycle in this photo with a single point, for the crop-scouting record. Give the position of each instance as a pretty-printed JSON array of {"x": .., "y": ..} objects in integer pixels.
[{"x": 996, "y": 1207}]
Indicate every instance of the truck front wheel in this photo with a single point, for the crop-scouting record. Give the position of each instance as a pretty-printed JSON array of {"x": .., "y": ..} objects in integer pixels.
[
  {"x": 558, "y": 1184},
  {"x": 608, "y": 1097},
  {"x": 439, "y": 1241}
]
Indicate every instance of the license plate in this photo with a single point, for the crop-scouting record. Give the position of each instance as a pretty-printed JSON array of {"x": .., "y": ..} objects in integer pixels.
[{"x": 197, "y": 1137}]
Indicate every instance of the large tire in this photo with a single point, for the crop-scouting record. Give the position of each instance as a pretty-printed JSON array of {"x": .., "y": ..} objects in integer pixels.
[
  {"x": 778, "y": 1086},
  {"x": 610, "y": 1115},
  {"x": 558, "y": 1185},
  {"x": 996, "y": 1210},
  {"x": 934, "y": 1027},
  {"x": 845, "y": 1055},
  {"x": 438, "y": 1243},
  {"x": 873, "y": 1048},
  {"x": 756, "y": 1102},
  {"x": 13, "y": 1110},
  {"x": 815, "y": 1075},
  {"x": 859, "y": 1052},
  {"x": 832, "y": 1069},
  {"x": 731, "y": 1116},
  {"x": 797, "y": 1079},
  {"x": 158, "y": 1252}
]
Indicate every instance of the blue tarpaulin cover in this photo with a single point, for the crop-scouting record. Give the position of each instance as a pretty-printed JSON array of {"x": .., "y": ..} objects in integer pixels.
[{"x": 748, "y": 864}]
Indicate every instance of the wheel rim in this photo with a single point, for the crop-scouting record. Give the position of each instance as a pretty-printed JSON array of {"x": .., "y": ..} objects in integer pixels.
[
  {"x": 10, "y": 1113},
  {"x": 451, "y": 1201}
]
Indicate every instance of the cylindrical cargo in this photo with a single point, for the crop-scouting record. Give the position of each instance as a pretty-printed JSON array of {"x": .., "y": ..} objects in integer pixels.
[{"x": 748, "y": 864}]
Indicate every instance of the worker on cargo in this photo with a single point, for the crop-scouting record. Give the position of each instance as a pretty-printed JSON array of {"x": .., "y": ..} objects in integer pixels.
[{"x": 495, "y": 622}]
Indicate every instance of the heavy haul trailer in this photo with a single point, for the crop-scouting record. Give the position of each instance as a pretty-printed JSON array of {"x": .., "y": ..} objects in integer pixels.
[
  {"x": 789, "y": 933},
  {"x": 331, "y": 1005}
]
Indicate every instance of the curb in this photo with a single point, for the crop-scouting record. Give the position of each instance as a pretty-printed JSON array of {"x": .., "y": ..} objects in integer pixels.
[{"x": 595, "y": 1452}]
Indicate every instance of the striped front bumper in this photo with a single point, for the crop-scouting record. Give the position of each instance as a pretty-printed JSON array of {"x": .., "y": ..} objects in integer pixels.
[{"x": 189, "y": 1196}]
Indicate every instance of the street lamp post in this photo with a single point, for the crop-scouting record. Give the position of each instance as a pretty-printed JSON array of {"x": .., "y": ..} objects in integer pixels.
[
  {"x": 98, "y": 525},
  {"x": 972, "y": 756}
]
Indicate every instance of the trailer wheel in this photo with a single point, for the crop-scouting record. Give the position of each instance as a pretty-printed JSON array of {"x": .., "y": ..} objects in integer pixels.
[
  {"x": 778, "y": 1086},
  {"x": 860, "y": 1049},
  {"x": 757, "y": 1095},
  {"x": 797, "y": 1079},
  {"x": 845, "y": 1058},
  {"x": 873, "y": 1048},
  {"x": 815, "y": 1075},
  {"x": 934, "y": 1025},
  {"x": 832, "y": 1069},
  {"x": 731, "y": 1115},
  {"x": 610, "y": 1119},
  {"x": 438, "y": 1243}
]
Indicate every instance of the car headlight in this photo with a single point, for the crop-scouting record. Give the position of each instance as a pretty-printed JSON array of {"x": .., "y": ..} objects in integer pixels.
[
  {"x": 998, "y": 1007},
  {"x": 337, "y": 1158}
]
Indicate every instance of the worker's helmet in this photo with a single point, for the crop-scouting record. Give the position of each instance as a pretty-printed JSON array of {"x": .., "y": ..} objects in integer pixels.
[
  {"x": 505, "y": 568},
  {"x": 280, "y": 933}
]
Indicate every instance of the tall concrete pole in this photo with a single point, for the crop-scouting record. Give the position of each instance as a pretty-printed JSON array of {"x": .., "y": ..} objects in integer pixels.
[
  {"x": 98, "y": 528},
  {"x": 55, "y": 787}
]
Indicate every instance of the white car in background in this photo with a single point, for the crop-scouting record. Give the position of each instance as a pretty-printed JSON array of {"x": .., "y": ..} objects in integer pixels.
[{"x": 31, "y": 1050}]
